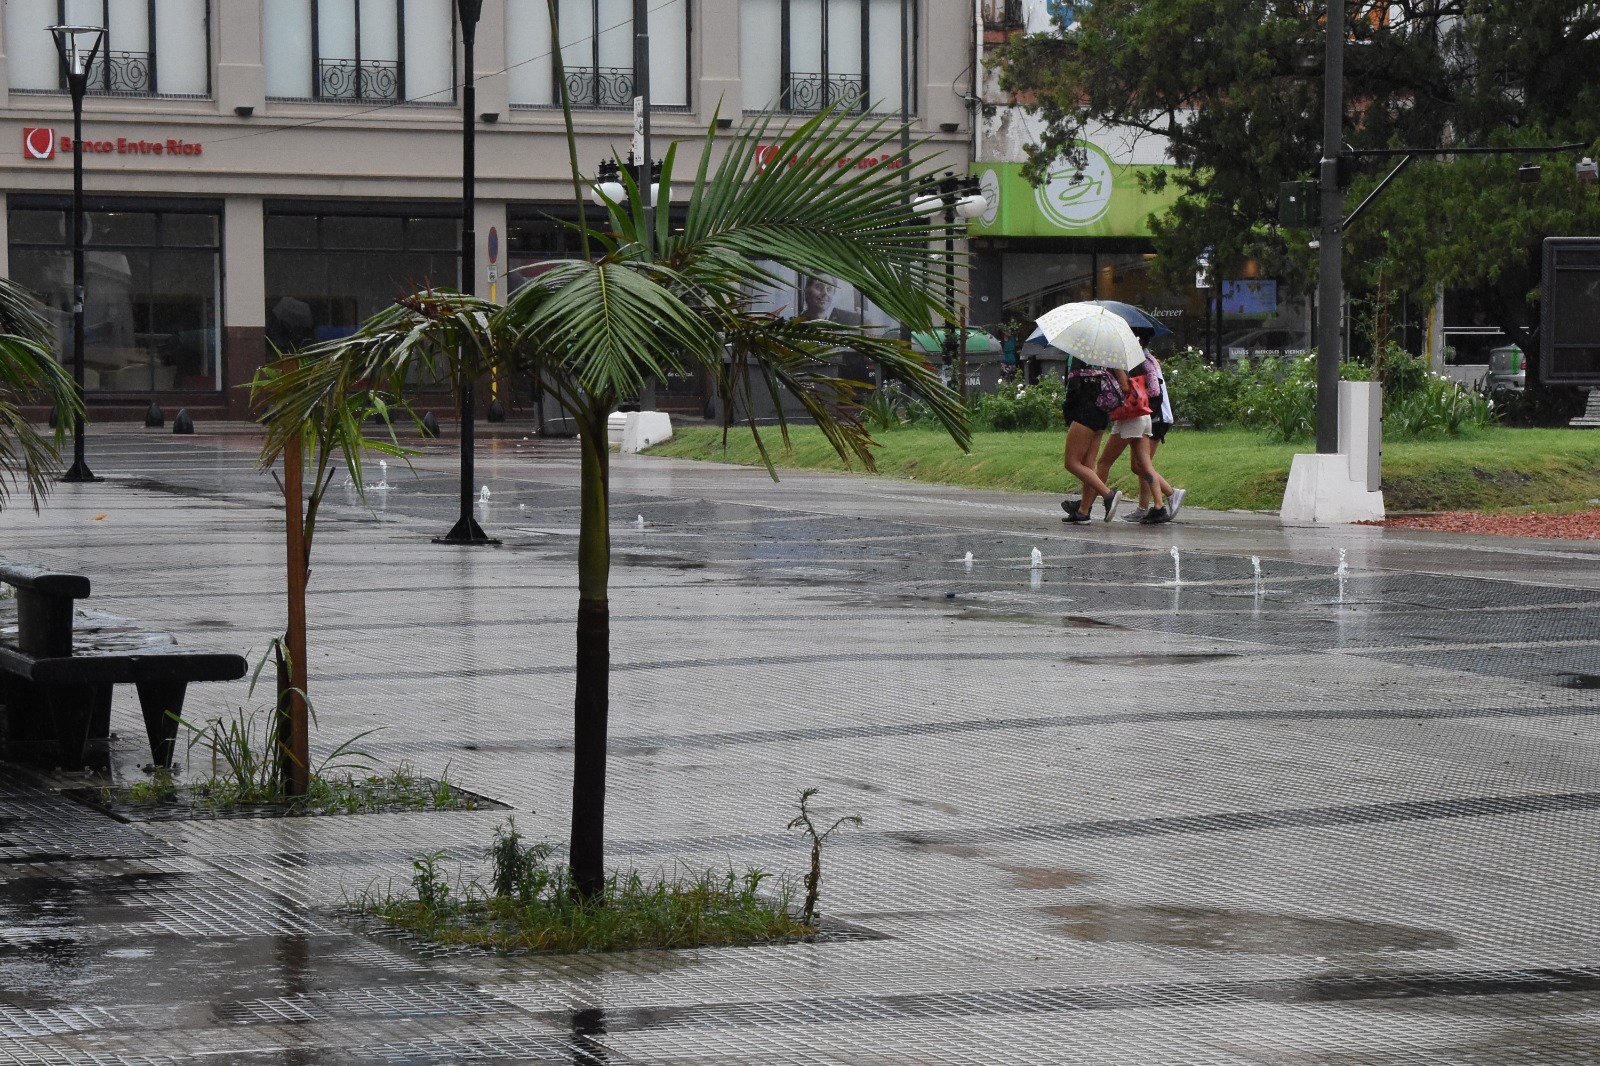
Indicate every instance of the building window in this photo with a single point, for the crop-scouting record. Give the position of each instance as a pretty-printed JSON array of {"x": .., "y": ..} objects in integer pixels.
[
  {"x": 806, "y": 55},
  {"x": 330, "y": 267},
  {"x": 366, "y": 50},
  {"x": 152, "y": 286},
  {"x": 597, "y": 53},
  {"x": 152, "y": 47}
]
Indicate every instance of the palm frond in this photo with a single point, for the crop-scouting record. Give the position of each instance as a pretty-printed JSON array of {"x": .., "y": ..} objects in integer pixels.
[{"x": 30, "y": 374}]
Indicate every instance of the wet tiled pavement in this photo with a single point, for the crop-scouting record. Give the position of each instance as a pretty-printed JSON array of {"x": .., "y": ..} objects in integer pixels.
[{"x": 1111, "y": 817}]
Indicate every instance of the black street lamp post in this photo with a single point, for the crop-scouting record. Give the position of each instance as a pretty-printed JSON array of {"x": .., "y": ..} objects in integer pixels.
[
  {"x": 466, "y": 530},
  {"x": 78, "y": 45}
]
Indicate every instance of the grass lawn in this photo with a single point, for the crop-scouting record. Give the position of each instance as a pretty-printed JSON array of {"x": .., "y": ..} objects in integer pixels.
[{"x": 1494, "y": 469}]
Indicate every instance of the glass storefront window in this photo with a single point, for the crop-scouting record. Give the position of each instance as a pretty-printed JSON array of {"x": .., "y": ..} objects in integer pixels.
[
  {"x": 328, "y": 273},
  {"x": 152, "y": 289}
]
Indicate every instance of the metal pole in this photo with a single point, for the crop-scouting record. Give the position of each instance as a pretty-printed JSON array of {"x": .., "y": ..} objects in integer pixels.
[
  {"x": 78, "y": 84},
  {"x": 643, "y": 170},
  {"x": 905, "y": 119},
  {"x": 1330, "y": 282},
  {"x": 466, "y": 530}
]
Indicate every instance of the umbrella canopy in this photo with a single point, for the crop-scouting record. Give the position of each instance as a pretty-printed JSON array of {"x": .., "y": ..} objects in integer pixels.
[
  {"x": 1092, "y": 334},
  {"x": 1133, "y": 316}
]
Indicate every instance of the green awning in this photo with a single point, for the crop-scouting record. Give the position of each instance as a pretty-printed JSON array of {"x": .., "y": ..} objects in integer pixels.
[{"x": 932, "y": 341}]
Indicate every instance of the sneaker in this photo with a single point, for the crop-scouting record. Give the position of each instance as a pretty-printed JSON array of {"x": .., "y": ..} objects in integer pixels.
[
  {"x": 1175, "y": 501},
  {"x": 1156, "y": 516},
  {"x": 1070, "y": 504},
  {"x": 1112, "y": 502},
  {"x": 1076, "y": 516},
  {"x": 1135, "y": 515}
]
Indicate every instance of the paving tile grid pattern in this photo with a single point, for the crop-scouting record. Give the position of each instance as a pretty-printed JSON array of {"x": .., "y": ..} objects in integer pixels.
[{"x": 1110, "y": 816}]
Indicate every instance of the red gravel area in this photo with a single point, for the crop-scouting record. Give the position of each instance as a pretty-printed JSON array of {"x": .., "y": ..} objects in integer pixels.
[{"x": 1582, "y": 525}]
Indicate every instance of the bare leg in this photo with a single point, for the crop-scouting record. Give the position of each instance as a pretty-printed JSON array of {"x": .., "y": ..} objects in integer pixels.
[
  {"x": 1082, "y": 443},
  {"x": 1149, "y": 479}
]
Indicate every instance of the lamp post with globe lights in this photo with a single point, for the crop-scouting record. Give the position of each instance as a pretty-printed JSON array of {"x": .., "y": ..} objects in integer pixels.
[{"x": 958, "y": 197}]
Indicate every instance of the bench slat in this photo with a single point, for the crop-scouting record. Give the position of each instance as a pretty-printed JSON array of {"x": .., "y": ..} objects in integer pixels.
[
  {"x": 122, "y": 669},
  {"x": 46, "y": 582}
]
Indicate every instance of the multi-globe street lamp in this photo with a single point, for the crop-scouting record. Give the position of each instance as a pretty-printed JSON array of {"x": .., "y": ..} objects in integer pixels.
[
  {"x": 79, "y": 46},
  {"x": 957, "y": 196}
]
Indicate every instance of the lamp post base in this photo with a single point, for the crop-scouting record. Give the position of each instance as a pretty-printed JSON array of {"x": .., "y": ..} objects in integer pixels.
[
  {"x": 79, "y": 471},
  {"x": 466, "y": 531}
]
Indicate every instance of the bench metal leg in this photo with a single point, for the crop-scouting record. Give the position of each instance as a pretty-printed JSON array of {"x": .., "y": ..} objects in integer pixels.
[
  {"x": 72, "y": 710},
  {"x": 156, "y": 698}
]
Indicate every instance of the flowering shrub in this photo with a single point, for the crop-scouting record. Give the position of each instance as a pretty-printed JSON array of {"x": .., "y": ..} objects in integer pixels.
[{"x": 1020, "y": 406}]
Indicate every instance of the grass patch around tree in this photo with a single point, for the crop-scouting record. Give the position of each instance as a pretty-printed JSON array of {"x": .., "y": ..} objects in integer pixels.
[
  {"x": 531, "y": 903},
  {"x": 1495, "y": 468}
]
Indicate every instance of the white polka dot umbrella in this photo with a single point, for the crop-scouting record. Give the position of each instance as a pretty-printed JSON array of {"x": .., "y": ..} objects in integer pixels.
[{"x": 1093, "y": 335}]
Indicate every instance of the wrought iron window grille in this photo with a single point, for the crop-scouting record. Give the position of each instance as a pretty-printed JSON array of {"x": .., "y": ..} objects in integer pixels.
[
  {"x": 123, "y": 72},
  {"x": 348, "y": 79},
  {"x": 600, "y": 88},
  {"x": 807, "y": 92}
]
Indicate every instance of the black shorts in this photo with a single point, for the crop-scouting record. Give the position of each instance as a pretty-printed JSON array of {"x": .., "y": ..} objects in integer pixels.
[
  {"x": 1080, "y": 406},
  {"x": 1158, "y": 430},
  {"x": 1085, "y": 414}
]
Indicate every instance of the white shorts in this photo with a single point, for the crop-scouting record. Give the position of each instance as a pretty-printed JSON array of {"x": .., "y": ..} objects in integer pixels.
[{"x": 1132, "y": 428}]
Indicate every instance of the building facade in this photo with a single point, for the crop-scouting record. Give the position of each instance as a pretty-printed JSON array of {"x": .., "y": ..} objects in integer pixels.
[
  {"x": 1084, "y": 233},
  {"x": 263, "y": 172}
]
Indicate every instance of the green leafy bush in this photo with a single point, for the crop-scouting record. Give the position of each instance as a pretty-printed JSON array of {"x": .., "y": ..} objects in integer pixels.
[
  {"x": 1020, "y": 407},
  {"x": 1202, "y": 395},
  {"x": 1437, "y": 406}
]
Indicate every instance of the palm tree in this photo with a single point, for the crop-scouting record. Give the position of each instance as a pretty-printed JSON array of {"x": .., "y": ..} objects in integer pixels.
[
  {"x": 593, "y": 330},
  {"x": 29, "y": 374}
]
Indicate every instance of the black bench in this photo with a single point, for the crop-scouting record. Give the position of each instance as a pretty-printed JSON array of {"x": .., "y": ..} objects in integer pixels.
[{"x": 58, "y": 665}]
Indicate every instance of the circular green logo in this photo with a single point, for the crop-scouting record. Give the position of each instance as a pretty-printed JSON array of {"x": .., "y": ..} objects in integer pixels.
[{"x": 1073, "y": 197}]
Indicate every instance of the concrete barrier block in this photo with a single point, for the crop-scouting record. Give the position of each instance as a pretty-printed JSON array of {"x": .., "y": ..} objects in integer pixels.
[{"x": 645, "y": 428}]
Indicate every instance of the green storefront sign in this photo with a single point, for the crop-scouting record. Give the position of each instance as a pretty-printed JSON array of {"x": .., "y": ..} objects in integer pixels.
[{"x": 1099, "y": 199}]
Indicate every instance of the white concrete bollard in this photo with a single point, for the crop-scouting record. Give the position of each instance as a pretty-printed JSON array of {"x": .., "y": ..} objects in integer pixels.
[{"x": 645, "y": 428}]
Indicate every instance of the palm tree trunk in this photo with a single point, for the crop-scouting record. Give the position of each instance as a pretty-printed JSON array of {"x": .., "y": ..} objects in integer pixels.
[{"x": 592, "y": 696}]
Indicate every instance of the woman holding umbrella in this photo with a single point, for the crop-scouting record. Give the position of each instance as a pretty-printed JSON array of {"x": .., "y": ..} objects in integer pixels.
[{"x": 1104, "y": 349}]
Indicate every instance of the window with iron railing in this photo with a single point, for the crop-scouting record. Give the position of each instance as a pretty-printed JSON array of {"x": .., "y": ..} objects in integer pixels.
[
  {"x": 365, "y": 50},
  {"x": 596, "y": 53},
  {"x": 151, "y": 47},
  {"x": 805, "y": 56}
]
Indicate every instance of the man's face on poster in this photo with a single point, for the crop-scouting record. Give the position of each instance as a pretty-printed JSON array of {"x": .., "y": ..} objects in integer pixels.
[{"x": 819, "y": 298}]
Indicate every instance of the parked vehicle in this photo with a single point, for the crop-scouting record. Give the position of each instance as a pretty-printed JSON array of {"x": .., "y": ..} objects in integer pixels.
[{"x": 1507, "y": 370}]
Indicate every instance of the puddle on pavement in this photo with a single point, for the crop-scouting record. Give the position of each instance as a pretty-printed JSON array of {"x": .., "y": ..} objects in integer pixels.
[
  {"x": 660, "y": 562},
  {"x": 911, "y": 801},
  {"x": 1245, "y": 932},
  {"x": 917, "y": 842},
  {"x": 1149, "y": 660},
  {"x": 1071, "y": 621},
  {"x": 1038, "y": 878}
]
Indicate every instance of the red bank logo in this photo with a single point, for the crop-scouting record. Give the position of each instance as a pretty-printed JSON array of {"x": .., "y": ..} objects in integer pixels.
[{"x": 38, "y": 142}]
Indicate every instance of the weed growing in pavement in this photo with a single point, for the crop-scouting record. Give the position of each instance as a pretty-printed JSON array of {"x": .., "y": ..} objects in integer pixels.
[
  {"x": 529, "y": 904},
  {"x": 808, "y": 914},
  {"x": 161, "y": 787}
]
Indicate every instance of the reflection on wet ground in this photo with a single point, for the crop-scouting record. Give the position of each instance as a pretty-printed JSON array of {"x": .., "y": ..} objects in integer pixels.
[
  {"x": 1251, "y": 933},
  {"x": 1115, "y": 812}
]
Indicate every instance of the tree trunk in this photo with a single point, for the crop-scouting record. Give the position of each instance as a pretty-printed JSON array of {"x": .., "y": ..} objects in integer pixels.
[
  {"x": 293, "y": 725},
  {"x": 592, "y": 697}
]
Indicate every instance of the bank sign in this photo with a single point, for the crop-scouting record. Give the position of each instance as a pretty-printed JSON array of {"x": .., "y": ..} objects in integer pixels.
[
  {"x": 42, "y": 142},
  {"x": 1098, "y": 199}
]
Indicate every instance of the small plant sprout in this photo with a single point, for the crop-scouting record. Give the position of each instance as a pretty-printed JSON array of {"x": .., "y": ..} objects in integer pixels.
[{"x": 803, "y": 821}]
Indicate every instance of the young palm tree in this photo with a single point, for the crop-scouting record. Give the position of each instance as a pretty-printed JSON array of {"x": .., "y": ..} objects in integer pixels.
[
  {"x": 593, "y": 330},
  {"x": 29, "y": 374}
]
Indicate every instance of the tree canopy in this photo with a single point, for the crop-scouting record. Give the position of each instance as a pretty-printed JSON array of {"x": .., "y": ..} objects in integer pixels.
[{"x": 1236, "y": 88}]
